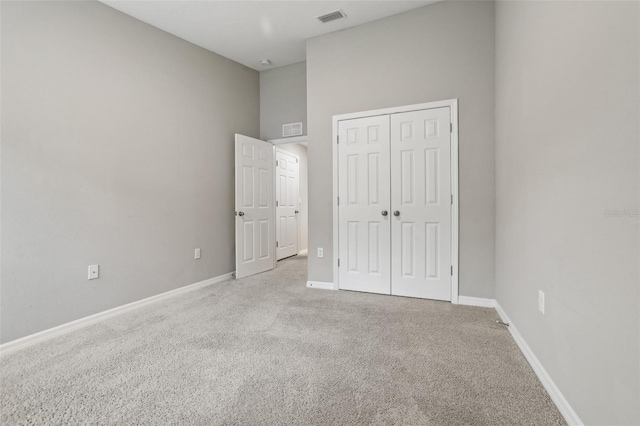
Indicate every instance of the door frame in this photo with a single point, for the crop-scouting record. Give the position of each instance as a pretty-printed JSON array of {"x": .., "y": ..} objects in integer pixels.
[{"x": 455, "y": 244}]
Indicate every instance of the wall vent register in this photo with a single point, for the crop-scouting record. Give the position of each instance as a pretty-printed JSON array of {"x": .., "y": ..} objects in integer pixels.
[
  {"x": 291, "y": 129},
  {"x": 332, "y": 16}
]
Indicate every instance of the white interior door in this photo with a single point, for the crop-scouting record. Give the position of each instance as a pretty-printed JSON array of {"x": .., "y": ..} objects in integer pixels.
[
  {"x": 287, "y": 198},
  {"x": 421, "y": 204},
  {"x": 364, "y": 220},
  {"x": 254, "y": 206}
]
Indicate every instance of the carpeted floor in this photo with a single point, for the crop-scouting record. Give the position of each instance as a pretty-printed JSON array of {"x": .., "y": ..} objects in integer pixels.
[{"x": 266, "y": 350}]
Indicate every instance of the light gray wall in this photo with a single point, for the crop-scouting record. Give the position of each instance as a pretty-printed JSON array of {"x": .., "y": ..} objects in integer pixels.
[
  {"x": 567, "y": 114},
  {"x": 117, "y": 149},
  {"x": 441, "y": 51},
  {"x": 283, "y": 99},
  {"x": 303, "y": 216}
]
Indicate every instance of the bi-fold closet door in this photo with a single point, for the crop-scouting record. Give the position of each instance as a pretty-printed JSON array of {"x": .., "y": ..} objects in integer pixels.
[{"x": 394, "y": 212}]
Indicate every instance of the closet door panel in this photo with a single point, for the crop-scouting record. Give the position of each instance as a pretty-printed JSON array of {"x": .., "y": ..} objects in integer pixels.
[
  {"x": 421, "y": 202},
  {"x": 364, "y": 184}
]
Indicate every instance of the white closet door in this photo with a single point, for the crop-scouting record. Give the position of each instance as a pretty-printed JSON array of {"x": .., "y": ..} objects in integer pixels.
[
  {"x": 254, "y": 206},
  {"x": 364, "y": 229},
  {"x": 421, "y": 204},
  {"x": 287, "y": 188}
]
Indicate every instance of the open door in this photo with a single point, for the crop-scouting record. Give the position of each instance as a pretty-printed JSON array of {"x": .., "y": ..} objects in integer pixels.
[{"x": 255, "y": 212}]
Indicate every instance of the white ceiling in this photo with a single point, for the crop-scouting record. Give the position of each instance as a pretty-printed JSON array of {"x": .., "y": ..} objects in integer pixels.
[{"x": 249, "y": 31}]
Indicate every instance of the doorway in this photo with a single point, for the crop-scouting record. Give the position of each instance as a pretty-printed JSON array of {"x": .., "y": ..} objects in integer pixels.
[
  {"x": 287, "y": 203},
  {"x": 291, "y": 192},
  {"x": 271, "y": 202}
]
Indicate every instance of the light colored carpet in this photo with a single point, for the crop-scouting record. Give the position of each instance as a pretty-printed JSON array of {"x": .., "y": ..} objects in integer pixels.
[{"x": 265, "y": 350}]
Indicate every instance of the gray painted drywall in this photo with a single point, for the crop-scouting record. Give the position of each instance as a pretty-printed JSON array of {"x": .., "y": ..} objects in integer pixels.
[
  {"x": 303, "y": 216},
  {"x": 441, "y": 51},
  {"x": 117, "y": 149},
  {"x": 283, "y": 99},
  {"x": 567, "y": 115}
]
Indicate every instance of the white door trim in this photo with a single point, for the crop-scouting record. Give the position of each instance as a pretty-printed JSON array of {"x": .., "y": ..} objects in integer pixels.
[
  {"x": 453, "y": 107},
  {"x": 293, "y": 139}
]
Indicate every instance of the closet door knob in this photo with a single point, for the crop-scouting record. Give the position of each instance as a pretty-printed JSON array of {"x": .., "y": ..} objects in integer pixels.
[
  {"x": 240, "y": 213},
  {"x": 396, "y": 213},
  {"x": 384, "y": 212}
]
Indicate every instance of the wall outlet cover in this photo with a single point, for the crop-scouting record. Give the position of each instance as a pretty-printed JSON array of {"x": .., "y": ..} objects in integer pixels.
[{"x": 94, "y": 272}]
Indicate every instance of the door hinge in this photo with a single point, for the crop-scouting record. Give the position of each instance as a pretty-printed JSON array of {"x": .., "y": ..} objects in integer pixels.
[
  {"x": 276, "y": 203},
  {"x": 276, "y": 163},
  {"x": 276, "y": 244},
  {"x": 296, "y": 161},
  {"x": 451, "y": 270},
  {"x": 338, "y": 263},
  {"x": 338, "y": 200},
  {"x": 337, "y": 139},
  {"x": 450, "y": 127},
  {"x": 451, "y": 199}
]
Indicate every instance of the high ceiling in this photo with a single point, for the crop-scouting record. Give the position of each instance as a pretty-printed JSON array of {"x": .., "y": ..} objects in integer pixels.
[{"x": 250, "y": 31}]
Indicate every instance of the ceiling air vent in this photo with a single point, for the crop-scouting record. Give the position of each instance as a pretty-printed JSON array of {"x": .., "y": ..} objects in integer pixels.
[
  {"x": 292, "y": 129},
  {"x": 332, "y": 16}
]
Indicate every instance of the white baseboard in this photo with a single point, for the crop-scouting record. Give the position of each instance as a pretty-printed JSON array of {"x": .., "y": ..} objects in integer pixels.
[
  {"x": 321, "y": 285},
  {"x": 304, "y": 251},
  {"x": 476, "y": 301},
  {"x": 556, "y": 396},
  {"x": 24, "y": 342}
]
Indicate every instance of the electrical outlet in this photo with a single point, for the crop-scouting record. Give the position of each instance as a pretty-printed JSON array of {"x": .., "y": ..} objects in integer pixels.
[
  {"x": 541, "y": 301},
  {"x": 197, "y": 253},
  {"x": 320, "y": 252},
  {"x": 94, "y": 272}
]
